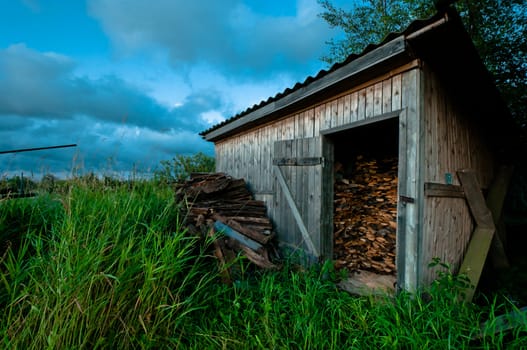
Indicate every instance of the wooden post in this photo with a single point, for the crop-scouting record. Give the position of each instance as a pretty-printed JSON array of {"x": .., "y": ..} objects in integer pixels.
[{"x": 479, "y": 244}]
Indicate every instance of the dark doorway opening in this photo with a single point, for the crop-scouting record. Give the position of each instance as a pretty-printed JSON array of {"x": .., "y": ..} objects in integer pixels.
[{"x": 365, "y": 203}]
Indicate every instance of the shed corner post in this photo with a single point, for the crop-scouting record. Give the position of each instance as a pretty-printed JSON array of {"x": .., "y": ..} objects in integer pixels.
[
  {"x": 410, "y": 190},
  {"x": 326, "y": 185}
]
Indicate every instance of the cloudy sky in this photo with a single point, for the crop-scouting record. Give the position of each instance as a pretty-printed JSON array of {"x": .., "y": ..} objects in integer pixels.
[{"x": 133, "y": 82}]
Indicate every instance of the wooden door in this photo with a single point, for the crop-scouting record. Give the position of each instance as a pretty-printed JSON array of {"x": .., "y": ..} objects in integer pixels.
[{"x": 304, "y": 195}]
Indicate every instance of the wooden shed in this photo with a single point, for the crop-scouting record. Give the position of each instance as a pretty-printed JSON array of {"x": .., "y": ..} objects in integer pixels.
[{"x": 422, "y": 96}]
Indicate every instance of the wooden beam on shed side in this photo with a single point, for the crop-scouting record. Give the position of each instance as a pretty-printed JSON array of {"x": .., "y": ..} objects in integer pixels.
[
  {"x": 298, "y": 161},
  {"x": 475, "y": 199},
  {"x": 479, "y": 244},
  {"x": 495, "y": 200},
  {"x": 483, "y": 234},
  {"x": 442, "y": 190}
]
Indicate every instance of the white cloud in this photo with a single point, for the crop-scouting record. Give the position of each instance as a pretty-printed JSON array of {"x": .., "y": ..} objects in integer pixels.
[
  {"x": 226, "y": 34},
  {"x": 212, "y": 117}
]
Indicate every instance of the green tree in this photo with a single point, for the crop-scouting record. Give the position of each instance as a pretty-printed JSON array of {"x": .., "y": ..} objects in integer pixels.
[
  {"x": 17, "y": 184},
  {"x": 498, "y": 29},
  {"x": 369, "y": 21},
  {"x": 181, "y": 166}
]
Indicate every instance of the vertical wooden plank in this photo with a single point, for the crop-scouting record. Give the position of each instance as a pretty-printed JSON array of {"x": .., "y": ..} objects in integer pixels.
[
  {"x": 429, "y": 238},
  {"x": 370, "y": 96},
  {"x": 346, "y": 114},
  {"x": 228, "y": 157},
  {"x": 237, "y": 157},
  {"x": 246, "y": 156},
  {"x": 361, "y": 111},
  {"x": 449, "y": 154},
  {"x": 334, "y": 113},
  {"x": 442, "y": 136},
  {"x": 354, "y": 107},
  {"x": 299, "y": 125},
  {"x": 232, "y": 158},
  {"x": 237, "y": 144},
  {"x": 317, "y": 119},
  {"x": 217, "y": 155},
  {"x": 309, "y": 122},
  {"x": 303, "y": 188},
  {"x": 396, "y": 92},
  {"x": 256, "y": 166},
  {"x": 432, "y": 101},
  {"x": 265, "y": 156},
  {"x": 409, "y": 97},
  {"x": 288, "y": 224},
  {"x": 276, "y": 189},
  {"x": 387, "y": 95},
  {"x": 377, "y": 99},
  {"x": 296, "y": 189},
  {"x": 327, "y": 117},
  {"x": 223, "y": 156},
  {"x": 311, "y": 205},
  {"x": 340, "y": 116},
  {"x": 400, "y": 247},
  {"x": 290, "y": 173},
  {"x": 325, "y": 179},
  {"x": 259, "y": 160},
  {"x": 422, "y": 267},
  {"x": 274, "y": 136},
  {"x": 283, "y": 130},
  {"x": 280, "y": 210}
]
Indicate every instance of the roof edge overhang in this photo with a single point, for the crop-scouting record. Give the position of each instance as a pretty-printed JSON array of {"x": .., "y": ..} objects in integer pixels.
[
  {"x": 390, "y": 54},
  {"x": 440, "y": 40}
]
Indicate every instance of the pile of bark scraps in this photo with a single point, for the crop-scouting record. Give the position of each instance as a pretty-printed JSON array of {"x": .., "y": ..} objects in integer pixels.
[
  {"x": 365, "y": 216},
  {"x": 217, "y": 203}
]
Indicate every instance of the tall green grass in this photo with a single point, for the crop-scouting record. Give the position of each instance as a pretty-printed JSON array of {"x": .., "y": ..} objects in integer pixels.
[{"x": 112, "y": 267}]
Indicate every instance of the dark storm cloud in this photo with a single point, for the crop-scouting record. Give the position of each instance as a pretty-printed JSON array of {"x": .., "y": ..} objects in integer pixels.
[
  {"x": 226, "y": 34},
  {"x": 13, "y": 122},
  {"x": 101, "y": 147},
  {"x": 43, "y": 85},
  {"x": 43, "y": 103}
]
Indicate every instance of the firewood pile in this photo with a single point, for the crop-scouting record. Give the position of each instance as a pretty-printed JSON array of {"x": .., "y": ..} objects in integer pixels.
[
  {"x": 365, "y": 216},
  {"x": 218, "y": 203}
]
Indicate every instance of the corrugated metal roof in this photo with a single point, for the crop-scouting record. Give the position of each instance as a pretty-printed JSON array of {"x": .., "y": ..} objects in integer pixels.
[
  {"x": 451, "y": 45},
  {"x": 414, "y": 26}
]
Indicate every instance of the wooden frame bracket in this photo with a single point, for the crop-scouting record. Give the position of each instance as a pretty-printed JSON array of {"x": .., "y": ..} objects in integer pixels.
[{"x": 486, "y": 215}]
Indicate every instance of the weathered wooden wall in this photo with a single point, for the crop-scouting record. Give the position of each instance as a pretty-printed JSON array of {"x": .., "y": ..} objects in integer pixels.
[
  {"x": 250, "y": 155},
  {"x": 453, "y": 141}
]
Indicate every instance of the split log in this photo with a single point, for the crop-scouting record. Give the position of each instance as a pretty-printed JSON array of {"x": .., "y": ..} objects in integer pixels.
[{"x": 365, "y": 217}]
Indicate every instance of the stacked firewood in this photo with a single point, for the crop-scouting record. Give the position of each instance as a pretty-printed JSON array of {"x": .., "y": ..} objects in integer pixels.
[
  {"x": 217, "y": 203},
  {"x": 365, "y": 216}
]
